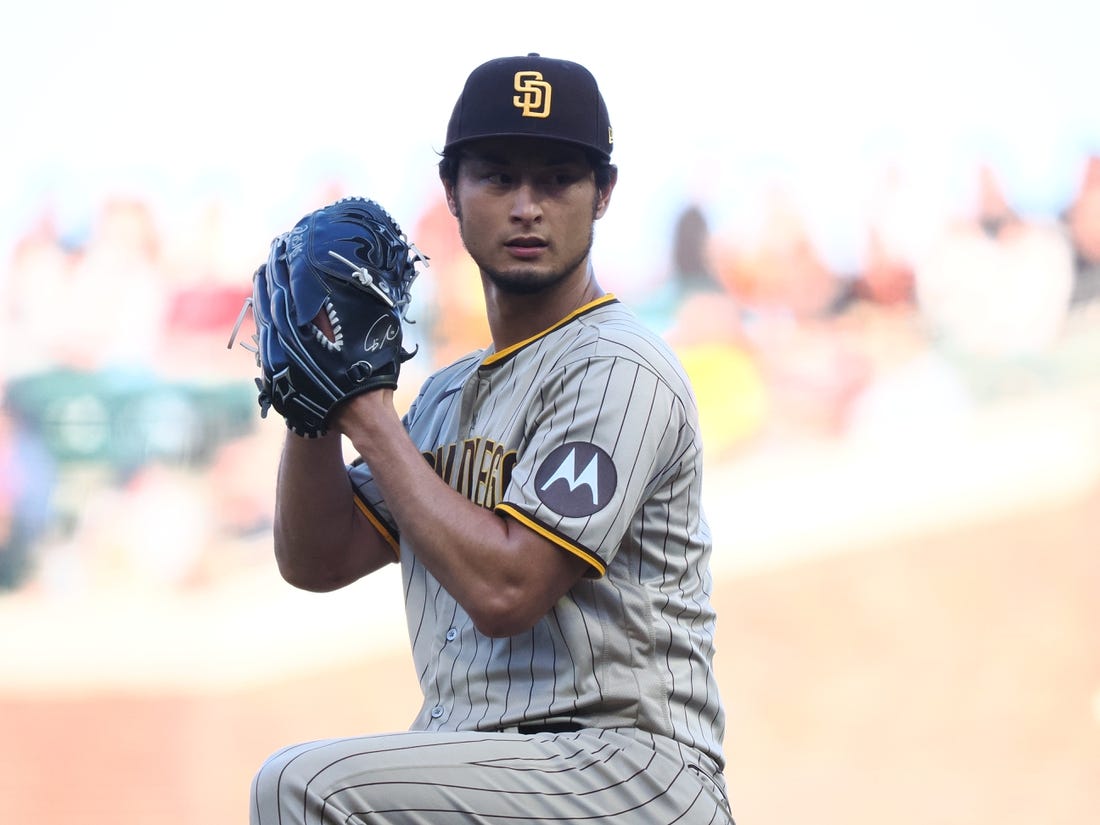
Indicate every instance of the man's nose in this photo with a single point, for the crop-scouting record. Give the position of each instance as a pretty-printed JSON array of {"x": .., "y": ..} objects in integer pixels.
[{"x": 526, "y": 204}]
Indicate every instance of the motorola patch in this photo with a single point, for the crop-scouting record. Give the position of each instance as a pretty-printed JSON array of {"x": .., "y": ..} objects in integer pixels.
[{"x": 576, "y": 479}]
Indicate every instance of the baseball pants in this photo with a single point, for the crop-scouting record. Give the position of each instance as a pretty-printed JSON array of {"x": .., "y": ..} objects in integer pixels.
[{"x": 436, "y": 778}]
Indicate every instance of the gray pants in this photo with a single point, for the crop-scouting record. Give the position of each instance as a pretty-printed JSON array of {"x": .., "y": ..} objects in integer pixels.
[{"x": 417, "y": 778}]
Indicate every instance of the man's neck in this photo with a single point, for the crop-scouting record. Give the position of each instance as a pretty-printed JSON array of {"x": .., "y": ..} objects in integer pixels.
[{"x": 516, "y": 317}]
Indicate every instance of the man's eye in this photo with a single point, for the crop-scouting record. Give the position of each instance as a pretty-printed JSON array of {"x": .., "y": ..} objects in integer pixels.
[
  {"x": 565, "y": 177},
  {"x": 499, "y": 178}
]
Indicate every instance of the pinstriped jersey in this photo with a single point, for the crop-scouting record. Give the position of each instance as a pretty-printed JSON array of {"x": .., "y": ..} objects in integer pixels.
[{"x": 587, "y": 434}]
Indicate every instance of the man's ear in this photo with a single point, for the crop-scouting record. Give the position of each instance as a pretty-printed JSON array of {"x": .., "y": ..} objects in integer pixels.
[
  {"x": 449, "y": 192},
  {"x": 603, "y": 197}
]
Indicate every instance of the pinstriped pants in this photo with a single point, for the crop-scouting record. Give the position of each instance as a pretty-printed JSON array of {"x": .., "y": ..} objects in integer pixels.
[{"x": 422, "y": 778}]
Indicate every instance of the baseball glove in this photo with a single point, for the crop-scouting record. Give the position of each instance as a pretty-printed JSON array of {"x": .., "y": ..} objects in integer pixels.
[{"x": 329, "y": 303}]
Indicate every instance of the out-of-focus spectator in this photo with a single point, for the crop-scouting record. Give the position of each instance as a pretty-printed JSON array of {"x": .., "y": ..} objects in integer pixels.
[
  {"x": 813, "y": 371},
  {"x": 887, "y": 278},
  {"x": 147, "y": 533},
  {"x": 899, "y": 228},
  {"x": 691, "y": 271},
  {"x": 778, "y": 270},
  {"x": 996, "y": 285},
  {"x": 28, "y": 479},
  {"x": 97, "y": 306},
  {"x": 729, "y": 387},
  {"x": 786, "y": 294},
  {"x": 690, "y": 250},
  {"x": 210, "y": 280},
  {"x": 36, "y": 304},
  {"x": 198, "y": 323},
  {"x": 448, "y": 296},
  {"x": 910, "y": 389},
  {"x": 702, "y": 322},
  {"x": 114, "y": 313},
  {"x": 1082, "y": 219},
  {"x": 241, "y": 487}
]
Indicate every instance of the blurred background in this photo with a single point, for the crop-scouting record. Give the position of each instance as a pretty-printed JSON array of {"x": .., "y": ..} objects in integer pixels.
[{"x": 870, "y": 230}]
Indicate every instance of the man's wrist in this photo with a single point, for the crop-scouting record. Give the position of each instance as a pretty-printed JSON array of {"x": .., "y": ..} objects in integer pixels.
[{"x": 367, "y": 415}]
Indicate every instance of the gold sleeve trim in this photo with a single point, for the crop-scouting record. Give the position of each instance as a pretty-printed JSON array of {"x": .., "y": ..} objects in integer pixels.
[
  {"x": 380, "y": 526},
  {"x": 558, "y": 539}
]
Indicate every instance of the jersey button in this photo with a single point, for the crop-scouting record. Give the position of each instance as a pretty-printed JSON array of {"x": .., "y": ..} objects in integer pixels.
[
  {"x": 437, "y": 711},
  {"x": 452, "y": 634}
]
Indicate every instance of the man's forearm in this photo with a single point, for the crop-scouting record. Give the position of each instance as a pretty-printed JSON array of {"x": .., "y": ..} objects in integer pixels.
[
  {"x": 322, "y": 542},
  {"x": 504, "y": 576}
]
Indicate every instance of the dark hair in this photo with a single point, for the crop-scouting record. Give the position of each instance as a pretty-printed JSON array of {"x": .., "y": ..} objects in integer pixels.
[
  {"x": 448, "y": 168},
  {"x": 604, "y": 168}
]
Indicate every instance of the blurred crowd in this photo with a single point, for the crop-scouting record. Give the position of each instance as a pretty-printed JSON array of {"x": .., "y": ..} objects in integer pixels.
[{"x": 131, "y": 449}]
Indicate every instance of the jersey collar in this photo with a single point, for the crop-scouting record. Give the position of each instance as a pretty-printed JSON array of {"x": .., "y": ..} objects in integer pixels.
[{"x": 497, "y": 357}]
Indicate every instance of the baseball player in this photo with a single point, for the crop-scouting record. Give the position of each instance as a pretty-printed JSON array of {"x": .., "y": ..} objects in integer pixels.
[{"x": 542, "y": 497}]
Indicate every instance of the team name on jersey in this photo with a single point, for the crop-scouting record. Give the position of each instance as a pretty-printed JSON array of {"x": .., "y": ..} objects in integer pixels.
[{"x": 479, "y": 468}]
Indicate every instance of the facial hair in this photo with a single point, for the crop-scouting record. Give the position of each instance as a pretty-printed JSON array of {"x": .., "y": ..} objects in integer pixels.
[{"x": 530, "y": 281}]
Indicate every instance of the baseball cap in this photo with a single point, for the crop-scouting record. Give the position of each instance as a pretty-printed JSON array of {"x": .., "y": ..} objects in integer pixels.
[{"x": 532, "y": 96}]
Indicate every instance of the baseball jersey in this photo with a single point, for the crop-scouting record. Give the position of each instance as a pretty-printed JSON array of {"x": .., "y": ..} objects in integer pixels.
[{"x": 587, "y": 433}]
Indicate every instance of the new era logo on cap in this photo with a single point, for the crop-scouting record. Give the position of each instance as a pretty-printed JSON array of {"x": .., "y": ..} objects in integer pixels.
[{"x": 531, "y": 96}]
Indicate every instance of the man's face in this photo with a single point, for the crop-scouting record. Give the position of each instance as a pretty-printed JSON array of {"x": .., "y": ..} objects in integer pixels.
[{"x": 525, "y": 210}]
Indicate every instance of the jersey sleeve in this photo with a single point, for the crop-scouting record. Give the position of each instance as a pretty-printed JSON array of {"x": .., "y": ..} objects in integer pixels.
[
  {"x": 605, "y": 434},
  {"x": 369, "y": 500},
  {"x": 420, "y": 423}
]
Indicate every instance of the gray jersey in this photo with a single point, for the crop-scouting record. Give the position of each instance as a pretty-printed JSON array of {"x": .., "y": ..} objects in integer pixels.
[{"x": 588, "y": 434}]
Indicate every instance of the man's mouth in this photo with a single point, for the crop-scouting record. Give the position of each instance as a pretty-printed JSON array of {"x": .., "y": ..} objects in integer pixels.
[
  {"x": 527, "y": 242},
  {"x": 526, "y": 247}
]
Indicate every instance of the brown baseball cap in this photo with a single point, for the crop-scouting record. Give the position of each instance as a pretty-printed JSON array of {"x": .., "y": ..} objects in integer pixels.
[{"x": 532, "y": 96}]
